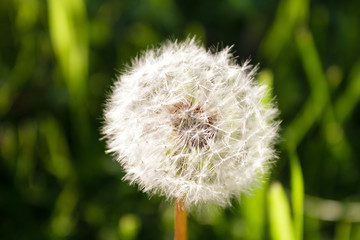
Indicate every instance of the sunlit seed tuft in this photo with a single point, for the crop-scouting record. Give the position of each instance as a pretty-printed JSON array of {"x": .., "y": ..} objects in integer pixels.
[{"x": 190, "y": 124}]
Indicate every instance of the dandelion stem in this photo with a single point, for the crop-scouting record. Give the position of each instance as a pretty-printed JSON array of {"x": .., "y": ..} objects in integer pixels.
[{"x": 180, "y": 221}]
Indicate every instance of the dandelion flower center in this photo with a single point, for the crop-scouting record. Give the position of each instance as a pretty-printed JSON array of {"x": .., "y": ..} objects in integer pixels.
[{"x": 192, "y": 124}]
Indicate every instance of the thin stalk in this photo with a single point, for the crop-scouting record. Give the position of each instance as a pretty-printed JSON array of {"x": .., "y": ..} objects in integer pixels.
[{"x": 180, "y": 221}]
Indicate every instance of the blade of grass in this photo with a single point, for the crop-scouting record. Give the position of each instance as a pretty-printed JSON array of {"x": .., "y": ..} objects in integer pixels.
[
  {"x": 69, "y": 35},
  {"x": 253, "y": 212},
  {"x": 346, "y": 102},
  {"x": 281, "y": 227},
  {"x": 290, "y": 13},
  {"x": 342, "y": 231},
  {"x": 319, "y": 95},
  {"x": 297, "y": 195}
]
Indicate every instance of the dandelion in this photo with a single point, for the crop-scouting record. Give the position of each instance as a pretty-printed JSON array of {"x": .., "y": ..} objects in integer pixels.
[{"x": 190, "y": 124}]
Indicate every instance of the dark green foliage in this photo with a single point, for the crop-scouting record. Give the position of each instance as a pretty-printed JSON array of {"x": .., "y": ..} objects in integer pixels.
[{"x": 58, "y": 59}]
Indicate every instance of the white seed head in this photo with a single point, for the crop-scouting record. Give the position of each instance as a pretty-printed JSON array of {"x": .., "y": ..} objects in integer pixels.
[{"x": 190, "y": 124}]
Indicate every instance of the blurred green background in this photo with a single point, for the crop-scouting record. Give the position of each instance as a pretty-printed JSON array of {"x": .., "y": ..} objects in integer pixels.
[{"x": 59, "y": 58}]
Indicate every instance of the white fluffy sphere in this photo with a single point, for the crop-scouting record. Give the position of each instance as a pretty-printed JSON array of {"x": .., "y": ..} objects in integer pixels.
[{"x": 190, "y": 124}]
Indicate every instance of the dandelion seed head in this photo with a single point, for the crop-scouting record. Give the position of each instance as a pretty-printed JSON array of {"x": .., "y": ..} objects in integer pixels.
[{"x": 190, "y": 124}]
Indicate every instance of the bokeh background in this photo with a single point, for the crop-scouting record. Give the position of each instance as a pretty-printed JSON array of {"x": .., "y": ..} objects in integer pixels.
[{"x": 59, "y": 58}]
